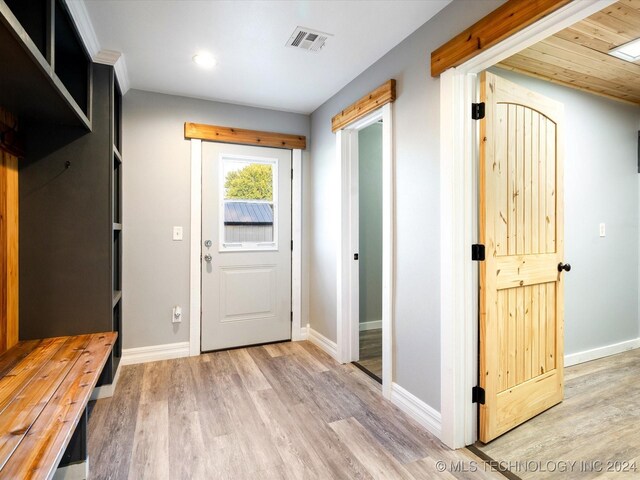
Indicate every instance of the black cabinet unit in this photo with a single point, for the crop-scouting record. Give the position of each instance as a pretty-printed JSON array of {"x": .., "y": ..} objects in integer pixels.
[
  {"x": 70, "y": 224},
  {"x": 45, "y": 69}
]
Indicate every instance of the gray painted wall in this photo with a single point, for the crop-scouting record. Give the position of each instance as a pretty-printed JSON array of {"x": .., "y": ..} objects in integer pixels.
[
  {"x": 156, "y": 190},
  {"x": 601, "y": 186},
  {"x": 416, "y": 150},
  {"x": 370, "y": 219}
]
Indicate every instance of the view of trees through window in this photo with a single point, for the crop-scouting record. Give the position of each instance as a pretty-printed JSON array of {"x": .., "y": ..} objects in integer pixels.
[{"x": 252, "y": 182}]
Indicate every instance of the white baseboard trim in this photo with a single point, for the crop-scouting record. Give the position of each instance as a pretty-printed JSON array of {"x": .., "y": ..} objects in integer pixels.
[
  {"x": 422, "y": 413},
  {"x": 153, "y": 353},
  {"x": 600, "y": 352},
  {"x": 323, "y": 342},
  {"x": 372, "y": 325},
  {"x": 303, "y": 335},
  {"x": 75, "y": 471},
  {"x": 106, "y": 391}
]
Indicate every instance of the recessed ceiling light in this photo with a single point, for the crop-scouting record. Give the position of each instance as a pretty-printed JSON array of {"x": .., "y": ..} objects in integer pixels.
[
  {"x": 204, "y": 60},
  {"x": 629, "y": 51}
]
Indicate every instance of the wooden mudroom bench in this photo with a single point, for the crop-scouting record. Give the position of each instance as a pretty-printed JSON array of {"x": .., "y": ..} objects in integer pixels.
[{"x": 45, "y": 386}]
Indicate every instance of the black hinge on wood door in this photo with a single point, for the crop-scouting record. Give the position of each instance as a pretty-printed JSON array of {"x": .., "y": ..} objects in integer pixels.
[
  {"x": 477, "y": 395},
  {"x": 477, "y": 252},
  {"x": 477, "y": 111}
]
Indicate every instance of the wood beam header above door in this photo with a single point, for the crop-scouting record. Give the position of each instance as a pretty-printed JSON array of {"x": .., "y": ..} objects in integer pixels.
[
  {"x": 385, "y": 93},
  {"x": 510, "y": 18},
  {"x": 215, "y": 133}
]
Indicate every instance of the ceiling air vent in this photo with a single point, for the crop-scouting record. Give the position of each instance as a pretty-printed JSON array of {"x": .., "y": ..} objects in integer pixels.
[{"x": 307, "y": 39}]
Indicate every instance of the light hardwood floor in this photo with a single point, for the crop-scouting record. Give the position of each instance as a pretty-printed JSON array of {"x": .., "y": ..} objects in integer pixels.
[
  {"x": 282, "y": 411},
  {"x": 371, "y": 351},
  {"x": 599, "y": 421}
]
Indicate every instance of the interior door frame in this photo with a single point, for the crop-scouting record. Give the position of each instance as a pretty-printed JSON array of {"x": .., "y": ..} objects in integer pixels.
[
  {"x": 347, "y": 271},
  {"x": 195, "y": 251},
  {"x": 459, "y": 220}
]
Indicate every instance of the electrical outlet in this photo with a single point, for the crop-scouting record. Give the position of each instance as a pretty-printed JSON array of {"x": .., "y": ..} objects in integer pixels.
[
  {"x": 603, "y": 232},
  {"x": 177, "y": 234},
  {"x": 177, "y": 314}
]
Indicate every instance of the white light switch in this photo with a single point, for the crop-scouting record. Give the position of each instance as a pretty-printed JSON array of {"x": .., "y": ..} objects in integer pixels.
[
  {"x": 177, "y": 234},
  {"x": 603, "y": 231},
  {"x": 177, "y": 314}
]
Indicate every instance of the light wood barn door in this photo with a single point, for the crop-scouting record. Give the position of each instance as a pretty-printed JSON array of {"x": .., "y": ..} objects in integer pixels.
[{"x": 521, "y": 226}]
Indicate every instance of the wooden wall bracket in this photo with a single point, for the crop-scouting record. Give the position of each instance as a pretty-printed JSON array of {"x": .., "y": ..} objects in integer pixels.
[
  {"x": 509, "y": 18},
  {"x": 216, "y": 133},
  {"x": 385, "y": 93}
]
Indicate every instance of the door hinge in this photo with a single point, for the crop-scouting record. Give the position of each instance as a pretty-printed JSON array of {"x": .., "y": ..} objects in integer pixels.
[
  {"x": 477, "y": 395},
  {"x": 477, "y": 252},
  {"x": 291, "y": 317},
  {"x": 477, "y": 111},
  {"x": 292, "y": 174},
  {"x": 292, "y": 245}
]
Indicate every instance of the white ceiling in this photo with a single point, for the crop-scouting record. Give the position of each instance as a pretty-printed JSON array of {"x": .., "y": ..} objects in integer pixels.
[{"x": 159, "y": 38}]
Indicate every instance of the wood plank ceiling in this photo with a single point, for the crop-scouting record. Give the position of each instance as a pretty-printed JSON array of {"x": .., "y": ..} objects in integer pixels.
[{"x": 578, "y": 56}]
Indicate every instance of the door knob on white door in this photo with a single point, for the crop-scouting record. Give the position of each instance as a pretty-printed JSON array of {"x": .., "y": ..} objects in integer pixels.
[{"x": 208, "y": 258}]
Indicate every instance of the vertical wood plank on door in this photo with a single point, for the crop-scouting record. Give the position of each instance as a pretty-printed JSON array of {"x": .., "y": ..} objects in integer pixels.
[
  {"x": 519, "y": 335},
  {"x": 535, "y": 329},
  {"x": 512, "y": 331},
  {"x": 551, "y": 187},
  {"x": 500, "y": 167},
  {"x": 551, "y": 326},
  {"x": 503, "y": 340},
  {"x": 527, "y": 180},
  {"x": 542, "y": 187},
  {"x": 535, "y": 162},
  {"x": 519, "y": 138},
  {"x": 512, "y": 185},
  {"x": 542, "y": 321},
  {"x": 528, "y": 332}
]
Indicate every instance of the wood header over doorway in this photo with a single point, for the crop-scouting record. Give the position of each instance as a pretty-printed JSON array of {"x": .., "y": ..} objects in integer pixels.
[
  {"x": 385, "y": 93},
  {"x": 215, "y": 133},
  {"x": 509, "y": 18}
]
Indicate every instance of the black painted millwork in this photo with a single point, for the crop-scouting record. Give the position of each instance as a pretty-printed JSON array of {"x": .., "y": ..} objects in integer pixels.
[
  {"x": 69, "y": 257},
  {"x": 29, "y": 87}
]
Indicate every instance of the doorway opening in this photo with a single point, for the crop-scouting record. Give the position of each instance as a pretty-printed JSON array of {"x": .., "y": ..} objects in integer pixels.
[
  {"x": 367, "y": 200},
  {"x": 365, "y": 260}
]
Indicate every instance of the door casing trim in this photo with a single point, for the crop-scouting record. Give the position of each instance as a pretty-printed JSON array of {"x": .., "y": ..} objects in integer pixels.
[
  {"x": 347, "y": 332},
  {"x": 458, "y": 220},
  {"x": 195, "y": 251}
]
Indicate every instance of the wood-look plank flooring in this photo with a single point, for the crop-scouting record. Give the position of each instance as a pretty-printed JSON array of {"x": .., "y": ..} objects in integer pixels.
[
  {"x": 371, "y": 351},
  {"x": 598, "y": 421},
  {"x": 281, "y": 411}
]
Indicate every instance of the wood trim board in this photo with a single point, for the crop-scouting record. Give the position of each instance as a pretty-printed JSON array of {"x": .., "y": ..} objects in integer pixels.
[
  {"x": 9, "y": 203},
  {"x": 509, "y": 18},
  {"x": 216, "y": 133},
  {"x": 385, "y": 93}
]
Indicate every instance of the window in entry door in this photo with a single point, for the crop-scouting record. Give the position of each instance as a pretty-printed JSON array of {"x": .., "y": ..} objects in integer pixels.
[{"x": 248, "y": 203}]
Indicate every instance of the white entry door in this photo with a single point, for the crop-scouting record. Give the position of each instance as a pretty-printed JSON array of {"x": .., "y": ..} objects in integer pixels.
[{"x": 246, "y": 250}]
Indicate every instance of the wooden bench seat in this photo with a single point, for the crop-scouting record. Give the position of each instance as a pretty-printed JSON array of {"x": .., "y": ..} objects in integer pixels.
[{"x": 45, "y": 386}]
